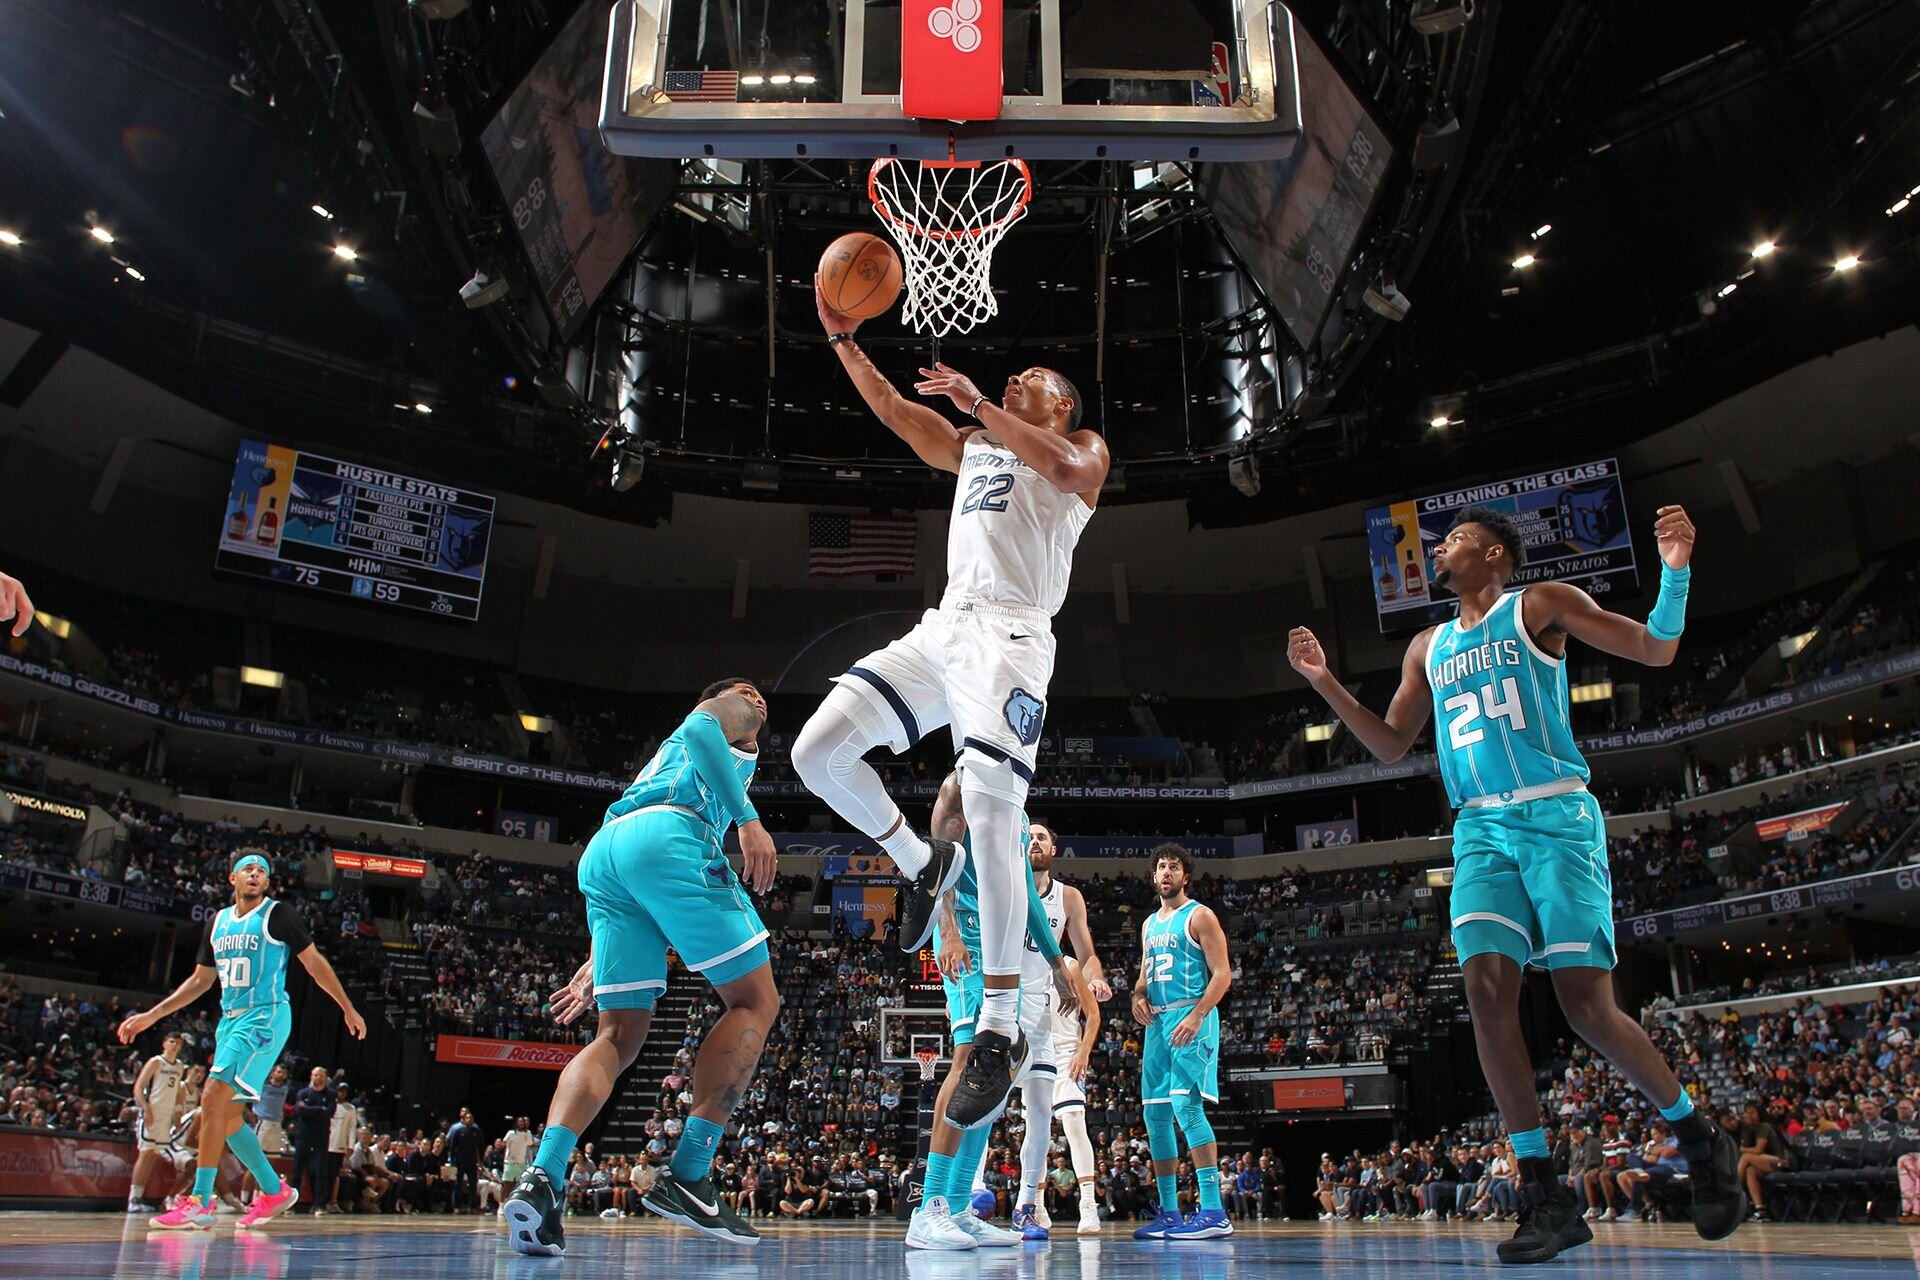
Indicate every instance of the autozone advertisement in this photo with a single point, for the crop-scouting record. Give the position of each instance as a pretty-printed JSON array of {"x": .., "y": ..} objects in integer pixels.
[
  {"x": 474, "y": 1051},
  {"x": 1798, "y": 826},
  {"x": 36, "y": 1164}
]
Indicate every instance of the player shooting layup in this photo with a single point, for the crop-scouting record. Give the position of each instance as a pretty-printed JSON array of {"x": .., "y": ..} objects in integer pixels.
[
  {"x": 1530, "y": 882},
  {"x": 1028, "y": 481}
]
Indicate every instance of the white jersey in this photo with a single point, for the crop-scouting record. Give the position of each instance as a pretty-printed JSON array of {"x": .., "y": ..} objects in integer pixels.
[
  {"x": 1012, "y": 534},
  {"x": 1035, "y": 972},
  {"x": 164, "y": 1092}
]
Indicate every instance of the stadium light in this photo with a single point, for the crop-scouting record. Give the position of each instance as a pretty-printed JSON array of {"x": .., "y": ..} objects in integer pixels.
[
  {"x": 1524, "y": 261},
  {"x": 323, "y": 211},
  {"x": 1764, "y": 249},
  {"x": 536, "y": 724},
  {"x": 1598, "y": 691},
  {"x": 422, "y": 407},
  {"x": 345, "y": 253},
  {"x": 101, "y": 234},
  {"x": 1541, "y": 230},
  {"x": 1727, "y": 289},
  {"x": 780, "y": 78},
  {"x": 805, "y": 78},
  {"x": 10, "y": 238},
  {"x": 1847, "y": 263},
  {"x": 753, "y": 79},
  {"x": 57, "y": 626},
  {"x": 263, "y": 677},
  {"x": 134, "y": 273},
  {"x": 1321, "y": 732}
]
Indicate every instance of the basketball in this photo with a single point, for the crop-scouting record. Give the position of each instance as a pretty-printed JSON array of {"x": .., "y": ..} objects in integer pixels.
[{"x": 860, "y": 275}]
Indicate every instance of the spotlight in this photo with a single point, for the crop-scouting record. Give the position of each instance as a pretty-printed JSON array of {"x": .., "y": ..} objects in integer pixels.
[
  {"x": 1847, "y": 263},
  {"x": 10, "y": 238},
  {"x": 1437, "y": 17},
  {"x": 483, "y": 290},
  {"x": 1764, "y": 249},
  {"x": 1727, "y": 289},
  {"x": 782, "y": 78},
  {"x": 422, "y": 407},
  {"x": 1384, "y": 299},
  {"x": 323, "y": 211},
  {"x": 1442, "y": 421},
  {"x": 804, "y": 78},
  {"x": 134, "y": 273},
  {"x": 1541, "y": 230},
  {"x": 101, "y": 234},
  {"x": 1524, "y": 261},
  {"x": 753, "y": 79},
  {"x": 345, "y": 253},
  {"x": 1899, "y": 205}
]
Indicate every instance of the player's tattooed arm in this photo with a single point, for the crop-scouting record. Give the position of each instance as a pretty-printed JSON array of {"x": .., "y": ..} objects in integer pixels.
[{"x": 952, "y": 956}]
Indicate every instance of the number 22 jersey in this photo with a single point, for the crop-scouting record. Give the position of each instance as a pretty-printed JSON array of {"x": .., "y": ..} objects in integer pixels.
[{"x": 1500, "y": 709}]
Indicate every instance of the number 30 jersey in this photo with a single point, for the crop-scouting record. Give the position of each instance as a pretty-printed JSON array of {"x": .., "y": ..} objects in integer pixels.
[
  {"x": 251, "y": 952},
  {"x": 1012, "y": 534},
  {"x": 1501, "y": 721}
]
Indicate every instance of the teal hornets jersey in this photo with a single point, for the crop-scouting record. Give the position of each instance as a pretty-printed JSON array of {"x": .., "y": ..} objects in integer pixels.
[
  {"x": 251, "y": 961},
  {"x": 966, "y": 894},
  {"x": 670, "y": 778},
  {"x": 1174, "y": 971},
  {"x": 1500, "y": 710}
]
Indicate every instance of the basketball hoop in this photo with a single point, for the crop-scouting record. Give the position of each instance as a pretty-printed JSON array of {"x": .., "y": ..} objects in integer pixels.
[
  {"x": 928, "y": 1060},
  {"x": 948, "y": 216}
]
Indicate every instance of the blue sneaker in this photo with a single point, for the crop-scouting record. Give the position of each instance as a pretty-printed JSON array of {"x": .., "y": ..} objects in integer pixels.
[
  {"x": 1027, "y": 1225},
  {"x": 1202, "y": 1224},
  {"x": 984, "y": 1204},
  {"x": 1159, "y": 1227}
]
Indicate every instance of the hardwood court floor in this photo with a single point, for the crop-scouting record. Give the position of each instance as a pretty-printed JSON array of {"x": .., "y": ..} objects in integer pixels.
[{"x": 70, "y": 1246}]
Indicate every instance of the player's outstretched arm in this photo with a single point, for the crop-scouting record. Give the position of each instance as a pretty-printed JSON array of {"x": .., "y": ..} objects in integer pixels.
[
  {"x": 933, "y": 439},
  {"x": 1560, "y": 606},
  {"x": 321, "y": 971},
  {"x": 1072, "y": 464},
  {"x": 1387, "y": 737},
  {"x": 192, "y": 988}
]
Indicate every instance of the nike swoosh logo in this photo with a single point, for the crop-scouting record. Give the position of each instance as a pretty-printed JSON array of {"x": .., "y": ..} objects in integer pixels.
[
  {"x": 711, "y": 1210},
  {"x": 1015, "y": 635}
]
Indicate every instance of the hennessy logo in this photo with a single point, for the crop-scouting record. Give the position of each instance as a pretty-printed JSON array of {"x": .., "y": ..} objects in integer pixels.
[{"x": 957, "y": 22}]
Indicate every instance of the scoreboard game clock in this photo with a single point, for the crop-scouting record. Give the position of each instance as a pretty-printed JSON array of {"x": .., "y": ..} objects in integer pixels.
[{"x": 321, "y": 524}]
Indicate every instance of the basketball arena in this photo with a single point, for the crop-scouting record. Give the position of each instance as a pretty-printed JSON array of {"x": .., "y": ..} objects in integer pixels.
[{"x": 1044, "y": 639}]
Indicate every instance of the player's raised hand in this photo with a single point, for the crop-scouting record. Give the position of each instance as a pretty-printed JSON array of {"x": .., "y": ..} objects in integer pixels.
[
  {"x": 132, "y": 1025},
  {"x": 830, "y": 320},
  {"x": 1672, "y": 530},
  {"x": 945, "y": 380},
  {"x": 15, "y": 604},
  {"x": 759, "y": 855},
  {"x": 1305, "y": 654},
  {"x": 356, "y": 1025}
]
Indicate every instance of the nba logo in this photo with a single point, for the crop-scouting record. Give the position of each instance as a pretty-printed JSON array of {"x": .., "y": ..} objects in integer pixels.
[
  {"x": 363, "y": 587},
  {"x": 1024, "y": 715}
]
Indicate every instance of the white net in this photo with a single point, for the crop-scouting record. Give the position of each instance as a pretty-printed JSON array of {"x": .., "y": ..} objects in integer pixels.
[{"x": 948, "y": 219}]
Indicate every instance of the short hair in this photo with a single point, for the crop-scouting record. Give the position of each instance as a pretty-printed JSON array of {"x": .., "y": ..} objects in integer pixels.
[
  {"x": 1063, "y": 387},
  {"x": 1503, "y": 531},
  {"x": 1177, "y": 852},
  {"x": 719, "y": 687}
]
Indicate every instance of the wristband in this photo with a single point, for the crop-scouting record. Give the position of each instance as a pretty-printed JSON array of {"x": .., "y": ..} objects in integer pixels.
[
  {"x": 835, "y": 339},
  {"x": 1669, "y": 616},
  {"x": 974, "y": 412}
]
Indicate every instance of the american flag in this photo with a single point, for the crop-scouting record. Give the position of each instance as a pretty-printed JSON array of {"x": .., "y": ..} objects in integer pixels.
[
  {"x": 848, "y": 546},
  {"x": 702, "y": 86}
]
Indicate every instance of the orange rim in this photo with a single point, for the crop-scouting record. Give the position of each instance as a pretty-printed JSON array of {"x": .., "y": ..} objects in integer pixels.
[{"x": 908, "y": 227}]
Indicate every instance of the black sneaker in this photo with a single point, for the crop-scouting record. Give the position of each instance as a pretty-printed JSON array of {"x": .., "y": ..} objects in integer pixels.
[
  {"x": 533, "y": 1215},
  {"x": 918, "y": 901},
  {"x": 698, "y": 1205},
  {"x": 1713, "y": 1170},
  {"x": 992, "y": 1064},
  {"x": 1550, "y": 1221}
]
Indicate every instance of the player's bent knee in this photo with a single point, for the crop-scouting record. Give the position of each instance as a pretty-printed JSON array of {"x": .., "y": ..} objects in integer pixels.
[
  {"x": 981, "y": 775},
  {"x": 1191, "y": 1116},
  {"x": 626, "y": 1030}
]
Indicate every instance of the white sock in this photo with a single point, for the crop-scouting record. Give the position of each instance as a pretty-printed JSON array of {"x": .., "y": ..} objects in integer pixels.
[
  {"x": 909, "y": 852},
  {"x": 1000, "y": 1011},
  {"x": 1036, "y": 1097},
  {"x": 1088, "y": 1199}
]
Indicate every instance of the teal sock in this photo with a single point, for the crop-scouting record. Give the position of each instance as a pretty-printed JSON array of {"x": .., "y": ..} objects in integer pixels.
[
  {"x": 1679, "y": 1111},
  {"x": 693, "y": 1154},
  {"x": 556, "y": 1148},
  {"x": 973, "y": 1145},
  {"x": 1530, "y": 1144},
  {"x": 245, "y": 1145},
  {"x": 939, "y": 1174},
  {"x": 1169, "y": 1192},
  {"x": 203, "y": 1184},
  {"x": 1209, "y": 1176}
]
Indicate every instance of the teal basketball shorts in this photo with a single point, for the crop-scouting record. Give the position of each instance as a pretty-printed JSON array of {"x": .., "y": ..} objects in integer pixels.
[
  {"x": 246, "y": 1044},
  {"x": 1530, "y": 882},
  {"x": 654, "y": 879},
  {"x": 965, "y": 994},
  {"x": 1169, "y": 1071}
]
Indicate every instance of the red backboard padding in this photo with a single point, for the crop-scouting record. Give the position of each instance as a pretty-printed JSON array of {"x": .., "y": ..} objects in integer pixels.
[{"x": 950, "y": 59}]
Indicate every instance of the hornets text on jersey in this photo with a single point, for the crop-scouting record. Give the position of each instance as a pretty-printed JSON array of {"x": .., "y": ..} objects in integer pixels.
[
  {"x": 671, "y": 779},
  {"x": 1501, "y": 722}
]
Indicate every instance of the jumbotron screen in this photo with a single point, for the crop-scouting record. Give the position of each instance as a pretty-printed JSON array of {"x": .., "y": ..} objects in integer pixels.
[{"x": 321, "y": 524}]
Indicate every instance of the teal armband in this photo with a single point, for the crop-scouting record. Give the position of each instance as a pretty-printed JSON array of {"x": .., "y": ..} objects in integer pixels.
[{"x": 1669, "y": 616}]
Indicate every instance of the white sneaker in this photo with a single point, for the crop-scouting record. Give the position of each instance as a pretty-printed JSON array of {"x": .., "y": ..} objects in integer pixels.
[
  {"x": 138, "y": 1206},
  {"x": 985, "y": 1233},
  {"x": 1326, "y": 1217},
  {"x": 1040, "y": 1217},
  {"x": 1609, "y": 1216},
  {"x": 609, "y": 1214},
  {"x": 1089, "y": 1220},
  {"x": 1428, "y": 1216},
  {"x": 933, "y": 1227}
]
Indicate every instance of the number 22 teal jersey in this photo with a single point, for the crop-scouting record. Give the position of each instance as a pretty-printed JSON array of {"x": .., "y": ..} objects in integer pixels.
[
  {"x": 1500, "y": 711},
  {"x": 1174, "y": 972}
]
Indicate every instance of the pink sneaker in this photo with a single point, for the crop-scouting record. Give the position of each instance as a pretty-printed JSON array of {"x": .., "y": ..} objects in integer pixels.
[
  {"x": 265, "y": 1206},
  {"x": 188, "y": 1213}
]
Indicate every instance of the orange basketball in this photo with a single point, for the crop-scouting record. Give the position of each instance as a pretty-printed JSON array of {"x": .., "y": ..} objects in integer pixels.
[{"x": 860, "y": 275}]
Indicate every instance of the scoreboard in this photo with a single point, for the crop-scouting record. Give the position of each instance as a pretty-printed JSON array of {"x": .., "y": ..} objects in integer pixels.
[
  {"x": 923, "y": 980},
  {"x": 321, "y": 524}
]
